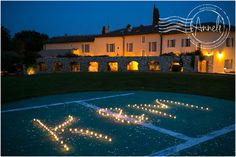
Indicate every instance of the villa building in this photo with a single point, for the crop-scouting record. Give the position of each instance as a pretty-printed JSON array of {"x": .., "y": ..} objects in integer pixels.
[{"x": 143, "y": 48}]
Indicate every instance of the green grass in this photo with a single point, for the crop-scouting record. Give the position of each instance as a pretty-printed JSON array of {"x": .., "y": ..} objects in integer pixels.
[{"x": 22, "y": 87}]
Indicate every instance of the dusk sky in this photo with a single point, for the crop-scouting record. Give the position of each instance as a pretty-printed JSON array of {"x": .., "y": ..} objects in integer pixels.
[{"x": 81, "y": 17}]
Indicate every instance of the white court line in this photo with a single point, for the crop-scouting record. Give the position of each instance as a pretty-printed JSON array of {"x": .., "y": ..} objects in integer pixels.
[
  {"x": 166, "y": 131},
  {"x": 190, "y": 143},
  {"x": 63, "y": 103},
  {"x": 147, "y": 125}
]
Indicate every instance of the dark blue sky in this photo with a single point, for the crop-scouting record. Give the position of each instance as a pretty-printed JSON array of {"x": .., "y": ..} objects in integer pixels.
[{"x": 81, "y": 17}]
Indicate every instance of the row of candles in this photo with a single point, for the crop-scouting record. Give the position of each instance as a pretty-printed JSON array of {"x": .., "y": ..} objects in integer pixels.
[
  {"x": 182, "y": 104},
  {"x": 67, "y": 122},
  {"x": 150, "y": 110},
  {"x": 118, "y": 115},
  {"x": 53, "y": 134},
  {"x": 161, "y": 106},
  {"x": 90, "y": 133}
]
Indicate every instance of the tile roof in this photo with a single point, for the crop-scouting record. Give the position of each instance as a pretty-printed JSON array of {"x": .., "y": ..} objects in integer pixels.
[
  {"x": 68, "y": 39},
  {"x": 149, "y": 29}
]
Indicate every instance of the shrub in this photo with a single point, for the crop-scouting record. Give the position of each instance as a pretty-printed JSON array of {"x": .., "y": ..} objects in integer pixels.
[{"x": 169, "y": 54}]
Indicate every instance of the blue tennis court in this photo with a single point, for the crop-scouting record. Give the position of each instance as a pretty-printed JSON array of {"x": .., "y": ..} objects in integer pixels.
[{"x": 119, "y": 123}]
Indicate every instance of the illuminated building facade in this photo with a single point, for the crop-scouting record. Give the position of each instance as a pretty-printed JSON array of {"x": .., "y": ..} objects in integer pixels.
[{"x": 141, "y": 48}]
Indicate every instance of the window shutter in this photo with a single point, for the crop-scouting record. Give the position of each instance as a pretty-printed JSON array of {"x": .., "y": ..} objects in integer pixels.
[
  {"x": 227, "y": 42},
  {"x": 131, "y": 47},
  {"x": 82, "y": 47},
  {"x": 155, "y": 43},
  {"x": 88, "y": 48},
  {"x": 114, "y": 47}
]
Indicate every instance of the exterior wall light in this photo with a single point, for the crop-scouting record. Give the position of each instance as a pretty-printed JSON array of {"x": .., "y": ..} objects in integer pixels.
[
  {"x": 209, "y": 54},
  {"x": 220, "y": 55}
]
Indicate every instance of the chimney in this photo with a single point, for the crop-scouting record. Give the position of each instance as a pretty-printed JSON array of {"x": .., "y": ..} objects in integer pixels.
[
  {"x": 105, "y": 29},
  {"x": 129, "y": 28}
]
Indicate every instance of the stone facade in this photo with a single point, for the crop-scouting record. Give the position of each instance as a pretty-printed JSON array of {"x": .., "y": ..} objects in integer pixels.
[{"x": 143, "y": 63}]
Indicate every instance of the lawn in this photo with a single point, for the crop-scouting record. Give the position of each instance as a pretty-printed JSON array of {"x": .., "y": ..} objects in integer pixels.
[{"x": 22, "y": 87}]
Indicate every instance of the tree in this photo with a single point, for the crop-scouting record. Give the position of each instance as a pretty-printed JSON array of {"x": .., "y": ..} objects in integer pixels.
[
  {"x": 28, "y": 44},
  {"x": 30, "y": 58},
  {"x": 32, "y": 40},
  {"x": 156, "y": 16},
  {"x": 18, "y": 46},
  {"x": 22, "y": 49},
  {"x": 5, "y": 39},
  {"x": 11, "y": 61}
]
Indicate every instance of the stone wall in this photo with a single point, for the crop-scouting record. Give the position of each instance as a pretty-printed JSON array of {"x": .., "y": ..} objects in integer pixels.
[{"x": 164, "y": 61}]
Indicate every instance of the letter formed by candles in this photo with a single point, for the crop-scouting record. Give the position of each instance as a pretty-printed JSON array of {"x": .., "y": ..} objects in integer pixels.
[{"x": 54, "y": 132}]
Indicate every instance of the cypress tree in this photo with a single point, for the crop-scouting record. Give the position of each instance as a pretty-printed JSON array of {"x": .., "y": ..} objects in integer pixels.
[{"x": 156, "y": 16}]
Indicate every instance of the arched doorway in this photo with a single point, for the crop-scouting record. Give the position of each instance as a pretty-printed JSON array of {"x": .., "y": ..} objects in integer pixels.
[
  {"x": 154, "y": 66},
  {"x": 132, "y": 66},
  {"x": 58, "y": 66},
  {"x": 202, "y": 66},
  {"x": 74, "y": 66},
  {"x": 42, "y": 67},
  {"x": 93, "y": 67},
  {"x": 176, "y": 66},
  {"x": 112, "y": 66}
]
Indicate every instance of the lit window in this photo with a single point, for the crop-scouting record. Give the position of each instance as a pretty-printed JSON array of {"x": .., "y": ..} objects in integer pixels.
[
  {"x": 171, "y": 43},
  {"x": 228, "y": 64},
  {"x": 85, "y": 48},
  {"x": 185, "y": 43},
  {"x": 110, "y": 47},
  {"x": 129, "y": 47},
  {"x": 152, "y": 46},
  {"x": 143, "y": 39}
]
